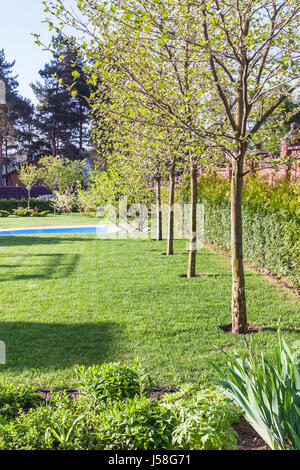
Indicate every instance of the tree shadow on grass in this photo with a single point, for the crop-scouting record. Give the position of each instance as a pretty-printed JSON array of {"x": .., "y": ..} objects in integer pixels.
[
  {"x": 58, "y": 265},
  {"x": 52, "y": 346},
  {"x": 26, "y": 240},
  {"x": 289, "y": 329}
]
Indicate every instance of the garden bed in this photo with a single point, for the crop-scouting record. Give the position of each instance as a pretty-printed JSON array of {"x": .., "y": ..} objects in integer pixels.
[{"x": 247, "y": 437}]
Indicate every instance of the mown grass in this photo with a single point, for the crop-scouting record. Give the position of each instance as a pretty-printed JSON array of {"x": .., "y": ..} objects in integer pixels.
[{"x": 76, "y": 299}]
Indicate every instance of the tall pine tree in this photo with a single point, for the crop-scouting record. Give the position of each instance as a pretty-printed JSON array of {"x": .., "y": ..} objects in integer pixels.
[
  {"x": 17, "y": 130},
  {"x": 63, "y": 111}
]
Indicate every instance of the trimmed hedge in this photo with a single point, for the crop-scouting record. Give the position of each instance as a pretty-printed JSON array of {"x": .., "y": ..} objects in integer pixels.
[
  {"x": 271, "y": 221},
  {"x": 11, "y": 204}
]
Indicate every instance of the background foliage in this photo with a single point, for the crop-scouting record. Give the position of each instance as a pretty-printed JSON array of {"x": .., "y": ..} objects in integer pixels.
[{"x": 271, "y": 221}]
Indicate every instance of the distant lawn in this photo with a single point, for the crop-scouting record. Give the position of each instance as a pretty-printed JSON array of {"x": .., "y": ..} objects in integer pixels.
[
  {"x": 69, "y": 299},
  {"x": 51, "y": 219}
]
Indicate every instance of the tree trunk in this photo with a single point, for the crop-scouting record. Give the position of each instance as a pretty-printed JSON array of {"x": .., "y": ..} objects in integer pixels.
[
  {"x": 28, "y": 201},
  {"x": 191, "y": 272},
  {"x": 239, "y": 318},
  {"x": 158, "y": 209},
  {"x": 6, "y": 161},
  {"x": 80, "y": 127},
  {"x": 53, "y": 137},
  {"x": 170, "y": 245},
  {"x": 1, "y": 160}
]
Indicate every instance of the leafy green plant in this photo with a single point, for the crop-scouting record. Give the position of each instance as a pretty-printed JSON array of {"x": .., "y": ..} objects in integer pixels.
[
  {"x": 137, "y": 423},
  {"x": 268, "y": 395},
  {"x": 113, "y": 412},
  {"x": 114, "y": 381},
  {"x": 40, "y": 214},
  {"x": 63, "y": 432},
  {"x": 4, "y": 213},
  {"x": 13, "y": 399},
  {"x": 29, "y": 213},
  {"x": 21, "y": 212},
  {"x": 204, "y": 420},
  {"x": 48, "y": 426}
]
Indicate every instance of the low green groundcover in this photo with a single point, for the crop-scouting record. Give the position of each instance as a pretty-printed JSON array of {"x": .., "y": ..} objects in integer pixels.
[{"x": 114, "y": 411}]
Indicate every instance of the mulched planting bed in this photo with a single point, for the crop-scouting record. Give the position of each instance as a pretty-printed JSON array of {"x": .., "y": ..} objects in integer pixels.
[{"x": 248, "y": 439}]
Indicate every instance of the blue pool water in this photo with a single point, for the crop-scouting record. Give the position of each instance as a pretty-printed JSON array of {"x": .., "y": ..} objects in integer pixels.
[{"x": 48, "y": 230}]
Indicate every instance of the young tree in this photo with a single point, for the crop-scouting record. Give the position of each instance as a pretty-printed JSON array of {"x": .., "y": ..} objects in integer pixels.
[
  {"x": 29, "y": 175},
  {"x": 253, "y": 52},
  {"x": 60, "y": 174}
]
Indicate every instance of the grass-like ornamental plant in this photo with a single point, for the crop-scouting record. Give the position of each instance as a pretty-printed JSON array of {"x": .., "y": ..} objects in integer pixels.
[{"x": 268, "y": 394}]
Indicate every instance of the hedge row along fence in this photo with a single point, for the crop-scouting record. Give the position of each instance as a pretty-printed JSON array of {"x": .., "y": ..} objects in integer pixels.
[
  {"x": 11, "y": 204},
  {"x": 271, "y": 221}
]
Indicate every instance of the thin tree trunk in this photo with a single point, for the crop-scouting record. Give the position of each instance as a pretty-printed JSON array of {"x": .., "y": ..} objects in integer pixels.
[
  {"x": 170, "y": 245},
  {"x": 191, "y": 272},
  {"x": 28, "y": 201},
  {"x": 1, "y": 160},
  {"x": 80, "y": 127},
  {"x": 54, "y": 133},
  {"x": 158, "y": 209},
  {"x": 6, "y": 161},
  {"x": 54, "y": 122},
  {"x": 239, "y": 318}
]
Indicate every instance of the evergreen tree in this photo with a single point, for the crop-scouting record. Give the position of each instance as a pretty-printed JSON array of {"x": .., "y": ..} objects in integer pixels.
[
  {"x": 11, "y": 85},
  {"x": 63, "y": 111},
  {"x": 17, "y": 130}
]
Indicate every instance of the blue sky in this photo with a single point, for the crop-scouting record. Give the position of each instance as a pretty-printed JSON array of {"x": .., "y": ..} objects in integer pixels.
[{"x": 18, "y": 20}]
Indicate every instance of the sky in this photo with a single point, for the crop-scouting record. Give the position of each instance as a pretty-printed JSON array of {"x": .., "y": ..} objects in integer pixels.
[{"x": 18, "y": 20}]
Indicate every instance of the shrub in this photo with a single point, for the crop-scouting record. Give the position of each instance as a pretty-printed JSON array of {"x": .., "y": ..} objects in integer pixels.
[
  {"x": 39, "y": 214},
  {"x": 114, "y": 381},
  {"x": 271, "y": 221},
  {"x": 10, "y": 204},
  {"x": 29, "y": 213},
  {"x": 268, "y": 395},
  {"x": 22, "y": 212},
  {"x": 64, "y": 202},
  {"x": 4, "y": 213}
]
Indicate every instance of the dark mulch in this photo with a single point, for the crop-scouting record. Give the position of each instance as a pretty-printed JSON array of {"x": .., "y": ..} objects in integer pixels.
[
  {"x": 251, "y": 328},
  {"x": 46, "y": 394},
  {"x": 248, "y": 439},
  {"x": 173, "y": 254},
  {"x": 196, "y": 275},
  {"x": 157, "y": 393}
]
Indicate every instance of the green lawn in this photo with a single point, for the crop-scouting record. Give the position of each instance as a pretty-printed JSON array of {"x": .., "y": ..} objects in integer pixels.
[
  {"x": 68, "y": 299},
  {"x": 51, "y": 219}
]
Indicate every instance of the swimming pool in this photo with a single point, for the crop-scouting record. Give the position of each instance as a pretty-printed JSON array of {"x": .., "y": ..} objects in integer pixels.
[{"x": 60, "y": 230}]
